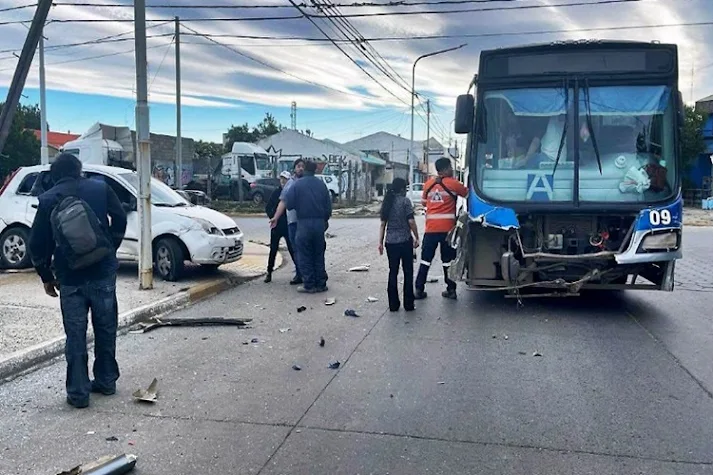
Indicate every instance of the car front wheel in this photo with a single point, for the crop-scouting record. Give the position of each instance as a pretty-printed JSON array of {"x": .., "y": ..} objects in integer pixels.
[
  {"x": 168, "y": 259},
  {"x": 14, "y": 249},
  {"x": 257, "y": 198}
]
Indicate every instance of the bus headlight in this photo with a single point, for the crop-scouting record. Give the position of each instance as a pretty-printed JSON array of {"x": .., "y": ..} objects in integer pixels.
[{"x": 668, "y": 241}]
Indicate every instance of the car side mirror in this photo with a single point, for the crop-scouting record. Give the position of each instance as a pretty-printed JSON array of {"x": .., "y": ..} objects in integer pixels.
[{"x": 465, "y": 111}]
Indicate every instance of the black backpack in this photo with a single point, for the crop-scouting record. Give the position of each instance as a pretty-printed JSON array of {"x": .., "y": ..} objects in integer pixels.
[{"x": 79, "y": 234}]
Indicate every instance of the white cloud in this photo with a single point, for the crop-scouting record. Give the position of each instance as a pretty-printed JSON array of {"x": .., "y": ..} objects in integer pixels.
[{"x": 214, "y": 76}]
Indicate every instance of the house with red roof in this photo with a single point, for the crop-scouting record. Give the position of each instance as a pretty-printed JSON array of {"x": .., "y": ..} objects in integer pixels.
[{"x": 55, "y": 140}]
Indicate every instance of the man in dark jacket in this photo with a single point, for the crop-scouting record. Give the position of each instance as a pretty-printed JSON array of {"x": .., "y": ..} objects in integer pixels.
[
  {"x": 311, "y": 199},
  {"x": 280, "y": 230},
  {"x": 92, "y": 287}
]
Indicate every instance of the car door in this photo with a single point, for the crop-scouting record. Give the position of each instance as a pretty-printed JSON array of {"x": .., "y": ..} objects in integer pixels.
[
  {"x": 129, "y": 249},
  {"x": 22, "y": 203}
]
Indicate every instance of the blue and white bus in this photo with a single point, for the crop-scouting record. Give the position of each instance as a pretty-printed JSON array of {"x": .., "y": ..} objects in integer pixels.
[{"x": 574, "y": 168}]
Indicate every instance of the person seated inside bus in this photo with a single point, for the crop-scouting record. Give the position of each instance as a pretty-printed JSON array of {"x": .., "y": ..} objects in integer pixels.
[{"x": 548, "y": 146}]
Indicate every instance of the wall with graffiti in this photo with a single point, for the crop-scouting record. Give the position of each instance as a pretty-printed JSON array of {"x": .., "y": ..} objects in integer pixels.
[{"x": 166, "y": 172}]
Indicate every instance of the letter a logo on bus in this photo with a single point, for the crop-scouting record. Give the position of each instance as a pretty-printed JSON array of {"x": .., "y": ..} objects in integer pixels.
[{"x": 540, "y": 187}]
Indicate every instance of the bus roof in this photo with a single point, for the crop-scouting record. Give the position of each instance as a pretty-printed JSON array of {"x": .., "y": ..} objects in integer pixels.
[{"x": 584, "y": 44}]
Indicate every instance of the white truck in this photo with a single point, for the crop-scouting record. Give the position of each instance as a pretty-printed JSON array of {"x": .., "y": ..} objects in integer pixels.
[
  {"x": 103, "y": 145},
  {"x": 247, "y": 161}
]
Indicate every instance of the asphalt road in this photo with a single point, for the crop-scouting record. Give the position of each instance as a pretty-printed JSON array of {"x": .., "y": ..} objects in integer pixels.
[{"x": 623, "y": 384}]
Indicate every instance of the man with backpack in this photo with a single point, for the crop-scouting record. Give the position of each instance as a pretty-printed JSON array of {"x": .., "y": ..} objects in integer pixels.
[
  {"x": 73, "y": 225},
  {"x": 440, "y": 197}
]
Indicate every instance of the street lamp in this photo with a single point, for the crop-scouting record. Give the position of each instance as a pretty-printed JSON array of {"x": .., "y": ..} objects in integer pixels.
[{"x": 413, "y": 95}]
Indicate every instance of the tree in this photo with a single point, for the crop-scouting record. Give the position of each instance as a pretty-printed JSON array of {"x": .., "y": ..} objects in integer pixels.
[
  {"x": 22, "y": 147},
  {"x": 239, "y": 133},
  {"x": 267, "y": 127},
  {"x": 692, "y": 143}
]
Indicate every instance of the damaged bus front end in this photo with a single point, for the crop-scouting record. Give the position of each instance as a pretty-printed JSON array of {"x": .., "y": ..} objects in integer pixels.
[{"x": 574, "y": 169}]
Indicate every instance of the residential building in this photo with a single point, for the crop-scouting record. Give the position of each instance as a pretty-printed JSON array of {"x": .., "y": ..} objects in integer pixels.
[
  {"x": 55, "y": 140},
  {"x": 700, "y": 174}
]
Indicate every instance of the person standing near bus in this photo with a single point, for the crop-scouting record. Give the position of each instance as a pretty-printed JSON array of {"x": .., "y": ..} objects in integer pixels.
[{"x": 440, "y": 197}]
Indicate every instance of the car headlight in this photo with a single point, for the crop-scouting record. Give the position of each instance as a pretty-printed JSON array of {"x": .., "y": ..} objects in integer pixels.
[
  {"x": 208, "y": 227},
  {"x": 668, "y": 241}
]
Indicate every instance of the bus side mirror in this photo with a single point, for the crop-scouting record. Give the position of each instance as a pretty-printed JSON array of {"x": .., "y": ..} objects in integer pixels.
[{"x": 465, "y": 111}]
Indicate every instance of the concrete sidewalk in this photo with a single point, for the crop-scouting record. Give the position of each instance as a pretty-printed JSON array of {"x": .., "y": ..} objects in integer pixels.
[{"x": 31, "y": 322}]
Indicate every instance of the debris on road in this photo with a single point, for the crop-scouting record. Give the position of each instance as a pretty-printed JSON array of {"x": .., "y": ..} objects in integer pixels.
[
  {"x": 113, "y": 438},
  {"x": 433, "y": 280},
  {"x": 154, "y": 323},
  {"x": 297, "y": 367},
  {"x": 334, "y": 365},
  {"x": 537, "y": 353},
  {"x": 284, "y": 330},
  {"x": 521, "y": 353},
  {"x": 362, "y": 268},
  {"x": 330, "y": 301},
  {"x": 254, "y": 340},
  {"x": 441, "y": 382},
  {"x": 329, "y": 235},
  {"x": 301, "y": 309},
  {"x": 109, "y": 465},
  {"x": 505, "y": 337},
  {"x": 148, "y": 395},
  {"x": 350, "y": 313},
  {"x": 321, "y": 341},
  {"x": 91, "y": 432},
  {"x": 371, "y": 299}
]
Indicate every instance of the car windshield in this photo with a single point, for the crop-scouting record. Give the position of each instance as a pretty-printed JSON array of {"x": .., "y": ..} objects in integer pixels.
[
  {"x": 161, "y": 194},
  {"x": 526, "y": 145}
]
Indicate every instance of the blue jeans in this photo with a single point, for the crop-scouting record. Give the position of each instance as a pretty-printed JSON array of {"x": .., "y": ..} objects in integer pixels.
[
  {"x": 292, "y": 235},
  {"x": 76, "y": 301},
  {"x": 310, "y": 252}
]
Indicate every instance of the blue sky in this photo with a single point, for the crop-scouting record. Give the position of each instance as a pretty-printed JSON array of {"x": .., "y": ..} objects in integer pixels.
[{"x": 95, "y": 83}]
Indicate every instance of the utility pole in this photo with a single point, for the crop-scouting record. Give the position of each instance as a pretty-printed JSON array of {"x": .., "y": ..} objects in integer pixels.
[
  {"x": 427, "y": 146},
  {"x": 22, "y": 69},
  {"x": 143, "y": 159},
  {"x": 44, "y": 151},
  {"x": 179, "y": 140},
  {"x": 293, "y": 115}
]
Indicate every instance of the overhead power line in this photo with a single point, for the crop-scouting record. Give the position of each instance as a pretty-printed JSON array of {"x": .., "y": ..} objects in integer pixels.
[
  {"x": 350, "y": 15},
  {"x": 311, "y": 20},
  {"x": 472, "y": 35},
  {"x": 398, "y": 4}
]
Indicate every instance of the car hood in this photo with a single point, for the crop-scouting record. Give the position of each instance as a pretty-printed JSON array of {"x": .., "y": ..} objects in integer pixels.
[{"x": 220, "y": 220}]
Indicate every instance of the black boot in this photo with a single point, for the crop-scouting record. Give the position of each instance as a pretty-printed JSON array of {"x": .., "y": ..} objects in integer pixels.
[
  {"x": 420, "y": 295},
  {"x": 450, "y": 294},
  {"x": 268, "y": 278}
]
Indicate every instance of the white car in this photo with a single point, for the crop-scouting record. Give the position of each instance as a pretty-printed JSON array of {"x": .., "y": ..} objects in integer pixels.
[
  {"x": 414, "y": 192},
  {"x": 181, "y": 231},
  {"x": 332, "y": 185}
]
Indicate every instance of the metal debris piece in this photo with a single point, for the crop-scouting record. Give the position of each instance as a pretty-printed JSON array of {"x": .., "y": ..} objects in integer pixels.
[
  {"x": 334, "y": 365},
  {"x": 537, "y": 353},
  {"x": 350, "y": 313},
  {"x": 301, "y": 309},
  {"x": 91, "y": 432},
  {"x": 148, "y": 395},
  {"x": 297, "y": 367},
  {"x": 330, "y": 301},
  {"x": 371, "y": 299},
  {"x": 284, "y": 330},
  {"x": 521, "y": 353},
  {"x": 363, "y": 268},
  {"x": 154, "y": 323},
  {"x": 254, "y": 340},
  {"x": 109, "y": 465},
  {"x": 113, "y": 438},
  {"x": 441, "y": 382},
  {"x": 321, "y": 341}
]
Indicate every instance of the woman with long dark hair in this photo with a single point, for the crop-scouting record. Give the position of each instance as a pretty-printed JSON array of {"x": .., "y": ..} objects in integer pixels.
[{"x": 400, "y": 234}]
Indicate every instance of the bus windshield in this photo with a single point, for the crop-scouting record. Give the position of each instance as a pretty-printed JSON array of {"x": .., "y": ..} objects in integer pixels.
[{"x": 621, "y": 139}]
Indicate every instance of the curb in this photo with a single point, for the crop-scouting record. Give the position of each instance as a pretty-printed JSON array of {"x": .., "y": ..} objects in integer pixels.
[{"x": 30, "y": 359}]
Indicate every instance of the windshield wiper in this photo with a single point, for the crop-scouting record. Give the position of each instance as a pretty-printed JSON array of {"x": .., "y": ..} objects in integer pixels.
[
  {"x": 564, "y": 129},
  {"x": 589, "y": 125},
  {"x": 170, "y": 205}
]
